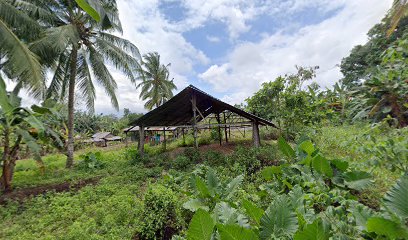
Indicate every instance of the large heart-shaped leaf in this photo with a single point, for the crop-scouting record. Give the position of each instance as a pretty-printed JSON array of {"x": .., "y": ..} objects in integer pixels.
[
  {"x": 315, "y": 231},
  {"x": 387, "y": 228},
  {"x": 322, "y": 165},
  {"x": 279, "y": 219},
  {"x": 396, "y": 198},
  {"x": 357, "y": 180},
  {"x": 286, "y": 148},
  {"x": 235, "y": 232},
  {"x": 201, "y": 226}
]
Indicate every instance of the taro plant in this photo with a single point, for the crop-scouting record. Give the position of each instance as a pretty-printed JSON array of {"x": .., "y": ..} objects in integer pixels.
[
  {"x": 208, "y": 192},
  {"x": 91, "y": 161},
  {"x": 334, "y": 171},
  {"x": 392, "y": 223}
]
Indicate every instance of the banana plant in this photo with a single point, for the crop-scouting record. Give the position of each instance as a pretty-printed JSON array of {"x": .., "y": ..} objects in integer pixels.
[{"x": 18, "y": 126}]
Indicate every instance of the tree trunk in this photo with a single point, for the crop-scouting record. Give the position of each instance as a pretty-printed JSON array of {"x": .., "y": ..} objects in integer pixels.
[
  {"x": 71, "y": 93},
  {"x": 4, "y": 182},
  {"x": 9, "y": 161},
  {"x": 396, "y": 110}
]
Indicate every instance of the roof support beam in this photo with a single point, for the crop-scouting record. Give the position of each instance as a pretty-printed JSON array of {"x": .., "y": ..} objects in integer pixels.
[
  {"x": 225, "y": 128},
  {"x": 141, "y": 140},
  {"x": 255, "y": 134},
  {"x": 194, "y": 108}
]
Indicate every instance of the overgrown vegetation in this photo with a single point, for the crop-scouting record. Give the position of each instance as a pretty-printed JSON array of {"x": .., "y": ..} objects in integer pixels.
[{"x": 336, "y": 168}]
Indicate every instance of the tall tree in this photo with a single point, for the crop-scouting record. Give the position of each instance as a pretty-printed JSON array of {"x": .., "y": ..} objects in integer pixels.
[
  {"x": 156, "y": 86},
  {"x": 17, "y": 62},
  {"x": 386, "y": 92},
  {"x": 358, "y": 66},
  {"x": 398, "y": 11},
  {"x": 79, "y": 48}
]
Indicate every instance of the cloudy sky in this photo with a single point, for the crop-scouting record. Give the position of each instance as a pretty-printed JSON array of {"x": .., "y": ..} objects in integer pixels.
[{"x": 229, "y": 47}]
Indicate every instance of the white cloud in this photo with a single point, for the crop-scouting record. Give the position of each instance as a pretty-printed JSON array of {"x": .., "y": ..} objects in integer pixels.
[
  {"x": 213, "y": 39},
  {"x": 324, "y": 44},
  {"x": 247, "y": 64}
]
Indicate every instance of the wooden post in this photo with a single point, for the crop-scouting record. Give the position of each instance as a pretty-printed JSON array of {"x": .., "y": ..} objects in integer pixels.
[
  {"x": 184, "y": 139},
  {"x": 219, "y": 127},
  {"x": 194, "y": 108},
  {"x": 126, "y": 139},
  {"x": 141, "y": 140},
  {"x": 255, "y": 134},
  {"x": 225, "y": 128},
  {"x": 164, "y": 138}
]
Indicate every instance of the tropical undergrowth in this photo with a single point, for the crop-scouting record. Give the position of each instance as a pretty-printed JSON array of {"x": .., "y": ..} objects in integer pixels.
[{"x": 316, "y": 188}]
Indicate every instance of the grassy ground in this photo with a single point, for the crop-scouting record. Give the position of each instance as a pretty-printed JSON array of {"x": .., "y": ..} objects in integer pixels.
[{"x": 111, "y": 208}]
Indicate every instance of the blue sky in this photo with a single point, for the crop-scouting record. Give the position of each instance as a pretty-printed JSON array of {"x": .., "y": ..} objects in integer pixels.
[{"x": 229, "y": 47}]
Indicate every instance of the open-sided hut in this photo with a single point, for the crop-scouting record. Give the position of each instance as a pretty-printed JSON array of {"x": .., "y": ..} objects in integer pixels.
[
  {"x": 191, "y": 106},
  {"x": 101, "y": 138}
]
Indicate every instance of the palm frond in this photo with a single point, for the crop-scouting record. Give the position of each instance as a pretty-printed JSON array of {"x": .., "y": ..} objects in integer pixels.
[
  {"x": 84, "y": 82},
  {"x": 124, "y": 44},
  {"x": 20, "y": 22},
  {"x": 60, "y": 72},
  {"x": 103, "y": 75},
  {"x": 55, "y": 41},
  {"x": 21, "y": 62},
  {"x": 119, "y": 58}
]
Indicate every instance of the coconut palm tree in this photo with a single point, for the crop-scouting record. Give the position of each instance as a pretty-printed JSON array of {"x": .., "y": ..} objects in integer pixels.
[
  {"x": 79, "y": 49},
  {"x": 156, "y": 86},
  {"x": 17, "y": 62},
  {"x": 398, "y": 11}
]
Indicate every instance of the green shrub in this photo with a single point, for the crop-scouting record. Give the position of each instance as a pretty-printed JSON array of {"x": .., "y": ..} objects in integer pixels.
[
  {"x": 214, "y": 158},
  {"x": 161, "y": 215},
  {"x": 91, "y": 161},
  {"x": 193, "y": 154},
  {"x": 132, "y": 155},
  {"x": 215, "y": 134},
  {"x": 181, "y": 162},
  {"x": 246, "y": 157},
  {"x": 269, "y": 133},
  {"x": 268, "y": 155}
]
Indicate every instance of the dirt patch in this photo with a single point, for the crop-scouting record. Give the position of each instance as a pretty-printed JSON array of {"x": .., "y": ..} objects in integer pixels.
[{"x": 22, "y": 194}]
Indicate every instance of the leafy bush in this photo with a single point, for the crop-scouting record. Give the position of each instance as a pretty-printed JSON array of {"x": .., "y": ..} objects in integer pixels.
[
  {"x": 91, "y": 161},
  {"x": 246, "y": 157},
  {"x": 193, "y": 154},
  {"x": 214, "y": 158},
  {"x": 269, "y": 133},
  {"x": 161, "y": 215},
  {"x": 390, "y": 152},
  {"x": 181, "y": 162},
  {"x": 215, "y": 135},
  {"x": 132, "y": 155}
]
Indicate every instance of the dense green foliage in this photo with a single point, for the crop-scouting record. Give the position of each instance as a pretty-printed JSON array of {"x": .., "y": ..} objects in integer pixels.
[
  {"x": 318, "y": 188},
  {"x": 315, "y": 177},
  {"x": 292, "y": 102}
]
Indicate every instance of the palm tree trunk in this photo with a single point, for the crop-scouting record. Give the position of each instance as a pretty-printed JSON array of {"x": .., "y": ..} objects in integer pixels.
[{"x": 71, "y": 93}]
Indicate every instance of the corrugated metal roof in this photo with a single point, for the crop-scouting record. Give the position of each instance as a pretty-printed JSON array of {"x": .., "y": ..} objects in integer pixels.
[
  {"x": 178, "y": 110},
  {"x": 101, "y": 135}
]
